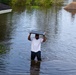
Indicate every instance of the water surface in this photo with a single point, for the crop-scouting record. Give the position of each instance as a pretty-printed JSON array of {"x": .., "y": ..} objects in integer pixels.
[{"x": 58, "y": 52}]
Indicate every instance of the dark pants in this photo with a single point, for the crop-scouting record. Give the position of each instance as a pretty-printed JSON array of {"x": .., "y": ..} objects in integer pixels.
[{"x": 36, "y": 54}]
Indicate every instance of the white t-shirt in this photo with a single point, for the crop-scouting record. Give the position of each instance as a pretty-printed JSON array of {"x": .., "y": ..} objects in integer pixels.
[{"x": 36, "y": 44}]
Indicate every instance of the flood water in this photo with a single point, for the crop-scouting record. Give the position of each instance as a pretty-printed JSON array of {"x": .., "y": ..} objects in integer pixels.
[{"x": 58, "y": 52}]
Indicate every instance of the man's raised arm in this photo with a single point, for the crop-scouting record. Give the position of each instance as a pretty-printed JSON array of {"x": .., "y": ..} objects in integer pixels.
[
  {"x": 29, "y": 37},
  {"x": 44, "y": 38}
]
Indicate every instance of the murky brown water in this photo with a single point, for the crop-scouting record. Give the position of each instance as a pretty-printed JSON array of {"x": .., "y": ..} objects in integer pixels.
[{"x": 58, "y": 52}]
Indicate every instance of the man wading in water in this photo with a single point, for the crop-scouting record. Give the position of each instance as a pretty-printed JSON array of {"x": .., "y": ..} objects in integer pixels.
[{"x": 36, "y": 46}]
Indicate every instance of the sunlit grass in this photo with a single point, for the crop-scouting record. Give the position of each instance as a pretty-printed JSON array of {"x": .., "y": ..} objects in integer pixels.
[{"x": 36, "y": 7}]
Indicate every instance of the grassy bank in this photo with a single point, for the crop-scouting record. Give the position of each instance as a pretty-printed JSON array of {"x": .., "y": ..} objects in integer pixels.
[
  {"x": 32, "y": 2},
  {"x": 37, "y": 2}
]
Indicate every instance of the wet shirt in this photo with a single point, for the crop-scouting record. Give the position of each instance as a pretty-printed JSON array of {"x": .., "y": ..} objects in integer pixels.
[{"x": 36, "y": 44}]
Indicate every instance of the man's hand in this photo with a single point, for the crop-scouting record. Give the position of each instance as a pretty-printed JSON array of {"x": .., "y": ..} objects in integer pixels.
[
  {"x": 44, "y": 33},
  {"x": 44, "y": 38}
]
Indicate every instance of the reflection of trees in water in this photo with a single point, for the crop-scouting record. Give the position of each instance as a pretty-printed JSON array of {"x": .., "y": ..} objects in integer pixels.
[
  {"x": 5, "y": 26},
  {"x": 47, "y": 20},
  {"x": 5, "y": 36},
  {"x": 5, "y": 32},
  {"x": 19, "y": 9},
  {"x": 2, "y": 27},
  {"x": 2, "y": 65},
  {"x": 3, "y": 51}
]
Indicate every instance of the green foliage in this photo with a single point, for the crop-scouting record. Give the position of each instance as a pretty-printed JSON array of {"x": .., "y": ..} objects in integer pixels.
[
  {"x": 37, "y": 2},
  {"x": 57, "y": 2},
  {"x": 47, "y": 2},
  {"x": 18, "y": 2},
  {"x": 28, "y": 2},
  {"x": 13, "y": 2},
  {"x": 32, "y": 2}
]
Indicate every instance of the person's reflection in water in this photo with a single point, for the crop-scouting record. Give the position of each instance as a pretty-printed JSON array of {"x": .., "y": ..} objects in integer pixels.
[{"x": 35, "y": 67}]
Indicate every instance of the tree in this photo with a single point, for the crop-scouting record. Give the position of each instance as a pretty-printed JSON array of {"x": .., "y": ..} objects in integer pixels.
[
  {"x": 13, "y": 2},
  {"x": 5, "y": 1}
]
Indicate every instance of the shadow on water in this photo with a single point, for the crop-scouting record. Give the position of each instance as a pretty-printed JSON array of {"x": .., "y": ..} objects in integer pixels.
[{"x": 35, "y": 68}]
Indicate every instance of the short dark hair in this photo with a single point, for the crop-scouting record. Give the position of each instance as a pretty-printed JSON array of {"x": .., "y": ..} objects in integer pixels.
[{"x": 37, "y": 34}]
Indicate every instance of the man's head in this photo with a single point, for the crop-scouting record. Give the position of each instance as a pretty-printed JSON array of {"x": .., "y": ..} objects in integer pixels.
[{"x": 37, "y": 36}]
